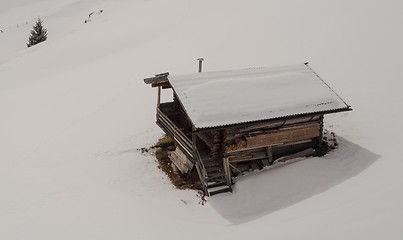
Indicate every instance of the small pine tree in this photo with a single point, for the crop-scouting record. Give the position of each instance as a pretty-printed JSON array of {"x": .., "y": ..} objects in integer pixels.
[{"x": 38, "y": 34}]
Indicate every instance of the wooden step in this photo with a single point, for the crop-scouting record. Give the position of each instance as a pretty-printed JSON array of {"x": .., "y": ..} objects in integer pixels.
[
  {"x": 215, "y": 178},
  {"x": 217, "y": 184},
  {"x": 215, "y": 174},
  {"x": 211, "y": 169},
  {"x": 211, "y": 164},
  {"x": 221, "y": 190}
]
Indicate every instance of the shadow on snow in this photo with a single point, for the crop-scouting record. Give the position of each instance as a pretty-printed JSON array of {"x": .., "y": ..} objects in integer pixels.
[{"x": 259, "y": 194}]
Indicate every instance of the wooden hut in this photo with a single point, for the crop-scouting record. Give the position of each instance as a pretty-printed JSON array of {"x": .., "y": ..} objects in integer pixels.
[{"x": 228, "y": 122}]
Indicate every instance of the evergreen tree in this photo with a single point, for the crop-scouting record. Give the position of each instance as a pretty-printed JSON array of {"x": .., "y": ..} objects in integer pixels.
[{"x": 38, "y": 34}]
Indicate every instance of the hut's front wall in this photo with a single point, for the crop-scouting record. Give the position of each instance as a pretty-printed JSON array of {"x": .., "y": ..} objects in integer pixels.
[
  {"x": 257, "y": 145},
  {"x": 276, "y": 137}
]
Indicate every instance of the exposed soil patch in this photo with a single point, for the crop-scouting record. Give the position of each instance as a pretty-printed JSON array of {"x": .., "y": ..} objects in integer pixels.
[{"x": 180, "y": 181}]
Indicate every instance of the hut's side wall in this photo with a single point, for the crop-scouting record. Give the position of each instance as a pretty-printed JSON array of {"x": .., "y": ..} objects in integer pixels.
[{"x": 257, "y": 145}]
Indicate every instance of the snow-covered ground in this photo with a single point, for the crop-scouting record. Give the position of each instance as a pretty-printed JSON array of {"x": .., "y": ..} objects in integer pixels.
[{"x": 74, "y": 110}]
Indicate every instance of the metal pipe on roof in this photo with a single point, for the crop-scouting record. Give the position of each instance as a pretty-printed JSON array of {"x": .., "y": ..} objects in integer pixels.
[{"x": 200, "y": 63}]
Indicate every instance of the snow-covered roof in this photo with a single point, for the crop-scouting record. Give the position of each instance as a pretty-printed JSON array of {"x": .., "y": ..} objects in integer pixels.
[{"x": 213, "y": 99}]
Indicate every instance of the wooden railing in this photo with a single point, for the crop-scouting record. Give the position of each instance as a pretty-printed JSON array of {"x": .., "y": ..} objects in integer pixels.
[
  {"x": 175, "y": 133},
  {"x": 201, "y": 170},
  {"x": 185, "y": 144},
  {"x": 168, "y": 108}
]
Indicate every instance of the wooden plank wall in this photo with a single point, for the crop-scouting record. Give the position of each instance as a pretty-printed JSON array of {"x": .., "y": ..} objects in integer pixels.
[
  {"x": 258, "y": 145},
  {"x": 284, "y": 135}
]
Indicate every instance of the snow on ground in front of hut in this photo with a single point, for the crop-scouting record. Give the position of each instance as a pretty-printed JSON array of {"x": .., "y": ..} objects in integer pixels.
[{"x": 74, "y": 110}]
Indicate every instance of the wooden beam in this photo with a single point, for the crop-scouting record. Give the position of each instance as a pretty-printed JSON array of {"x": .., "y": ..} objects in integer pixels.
[
  {"x": 164, "y": 85},
  {"x": 159, "y": 78},
  {"x": 269, "y": 154},
  {"x": 159, "y": 97},
  {"x": 162, "y": 74},
  {"x": 227, "y": 172}
]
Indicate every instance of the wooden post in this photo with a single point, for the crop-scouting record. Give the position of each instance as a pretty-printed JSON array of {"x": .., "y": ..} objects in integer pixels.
[
  {"x": 197, "y": 161},
  {"x": 269, "y": 154},
  {"x": 159, "y": 97},
  {"x": 320, "y": 138},
  {"x": 227, "y": 171}
]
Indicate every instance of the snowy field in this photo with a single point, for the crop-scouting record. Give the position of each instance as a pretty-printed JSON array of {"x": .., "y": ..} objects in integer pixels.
[{"x": 74, "y": 110}]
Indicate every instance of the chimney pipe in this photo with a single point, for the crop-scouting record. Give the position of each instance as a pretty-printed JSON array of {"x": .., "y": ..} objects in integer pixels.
[{"x": 200, "y": 63}]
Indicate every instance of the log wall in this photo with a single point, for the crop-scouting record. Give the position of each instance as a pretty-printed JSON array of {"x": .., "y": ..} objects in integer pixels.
[
  {"x": 284, "y": 135},
  {"x": 257, "y": 145}
]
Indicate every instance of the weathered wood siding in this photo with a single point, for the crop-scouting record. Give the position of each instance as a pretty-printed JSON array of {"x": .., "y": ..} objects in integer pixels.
[
  {"x": 285, "y": 135},
  {"x": 257, "y": 145},
  {"x": 180, "y": 160}
]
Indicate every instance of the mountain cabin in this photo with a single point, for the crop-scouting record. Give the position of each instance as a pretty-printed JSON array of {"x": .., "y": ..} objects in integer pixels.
[{"x": 228, "y": 122}]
